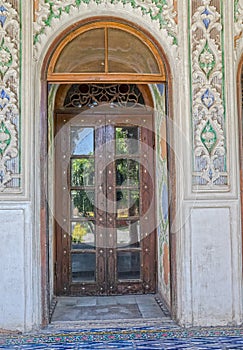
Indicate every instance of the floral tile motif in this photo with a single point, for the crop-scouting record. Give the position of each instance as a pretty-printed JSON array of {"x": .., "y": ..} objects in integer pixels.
[
  {"x": 207, "y": 88},
  {"x": 9, "y": 97},
  {"x": 47, "y": 12},
  {"x": 134, "y": 338}
]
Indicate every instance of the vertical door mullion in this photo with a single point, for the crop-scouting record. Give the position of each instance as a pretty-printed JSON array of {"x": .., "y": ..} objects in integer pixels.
[
  {"x": 111, "y": 207},
  {"x": 100, "y": 207}
]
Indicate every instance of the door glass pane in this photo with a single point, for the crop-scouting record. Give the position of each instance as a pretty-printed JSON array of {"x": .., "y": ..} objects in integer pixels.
[
  {"x": 134, "y": 203},
  {"x": 82, "y": 172},
  {"x": 127, "y": 203},
  {"x": 83, "y": 54},
  {"x": 128, "y": 265},
  {"x": 127, "y": 172},
  {"x": 83, "y": 235},
  {"x": 128, "y": 234},
  {"x": 127, "y": 140},
  {"x": 82, "y": 203},
  {"x": 122, "y": 200},
  {"x": 82, "y": 141},
  {"x": 83, "y": 267}
]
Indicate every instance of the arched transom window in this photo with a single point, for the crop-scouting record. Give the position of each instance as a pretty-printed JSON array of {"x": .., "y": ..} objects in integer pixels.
[{"x": 109, "y": 51}]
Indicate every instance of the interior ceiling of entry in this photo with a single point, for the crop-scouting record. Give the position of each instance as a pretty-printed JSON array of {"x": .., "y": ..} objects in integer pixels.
[{"x": 105, "y": 52}]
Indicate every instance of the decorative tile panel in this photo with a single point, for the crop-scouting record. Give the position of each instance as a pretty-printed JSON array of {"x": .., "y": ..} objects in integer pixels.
[
  {"x": 207, "y": 88},
  {"x": 48, "y": 12},
  {"x": 10, "y": 178}
]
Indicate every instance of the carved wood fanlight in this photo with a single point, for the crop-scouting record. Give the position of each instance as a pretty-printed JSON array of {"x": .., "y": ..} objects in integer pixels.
[{"x": 106, "y": 52}]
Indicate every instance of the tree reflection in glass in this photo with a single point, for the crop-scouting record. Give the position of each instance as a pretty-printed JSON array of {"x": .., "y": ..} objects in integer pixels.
[
  {"x": 127, "y": 140},
  {"x": 82, "y": 203},
  {"x": 83, "y": 236},
  {"x": 127, "y": 203},
  {"x": 82, "y": 172},
  {"x": 127, "y": 172}
]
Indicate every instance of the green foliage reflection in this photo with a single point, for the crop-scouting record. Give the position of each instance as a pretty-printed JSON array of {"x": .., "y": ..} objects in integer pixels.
[{"x": 82, "y": 172}]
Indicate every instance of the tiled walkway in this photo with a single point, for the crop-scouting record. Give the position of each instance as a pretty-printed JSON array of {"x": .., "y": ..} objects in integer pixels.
[{"x": 122, "y": 338}]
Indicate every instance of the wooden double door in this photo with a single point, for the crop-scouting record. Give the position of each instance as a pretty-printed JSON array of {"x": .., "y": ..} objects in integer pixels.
[{"x": 104, "y": 203}]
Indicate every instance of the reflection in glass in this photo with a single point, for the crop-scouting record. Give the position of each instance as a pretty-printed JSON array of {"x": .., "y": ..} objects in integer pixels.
[
  {"x": 82, "y": 172},
  {"x": 83, "y": 267},
  {"x": 128, "y": 234},
  {"x": 122, "y": 203},
  {"x": 83, "y": 235},
  {"x": 82, "y": 141},
  {"x": 128, "y": 265},
  {"x": 127, "y": 172},
  {"x": 127, "y": 140},
  {"x": 82, "y": 203},
  {"x": 85, "y": 53},
  {"x": 128, "y": 53},
  {"x": 127, "y": 203},
  {"x": 134, "y": 203}
]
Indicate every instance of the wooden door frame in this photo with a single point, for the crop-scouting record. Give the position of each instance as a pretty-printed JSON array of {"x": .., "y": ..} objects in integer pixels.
[
  {"x": 147, "y": 283},
  {"x": 44, "y": 208}
]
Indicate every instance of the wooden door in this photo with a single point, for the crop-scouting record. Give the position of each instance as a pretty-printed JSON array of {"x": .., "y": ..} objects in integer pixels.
[{"x": 104, "y": 195}]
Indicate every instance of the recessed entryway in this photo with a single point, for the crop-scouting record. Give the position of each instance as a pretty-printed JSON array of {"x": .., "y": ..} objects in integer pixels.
[{"x": 109, "y": 233}]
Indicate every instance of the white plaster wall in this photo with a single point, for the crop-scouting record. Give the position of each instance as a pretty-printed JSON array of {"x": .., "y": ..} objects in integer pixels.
[
  {"x": 16, "y": 301},
  {"x": 211, "y": 268},
  {"x": 12, "y": 269},
  {"x": 211, "y": 265}
]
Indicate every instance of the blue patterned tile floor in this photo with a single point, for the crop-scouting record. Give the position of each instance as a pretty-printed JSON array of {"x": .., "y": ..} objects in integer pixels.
[{"x": 141, "y": 338}]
